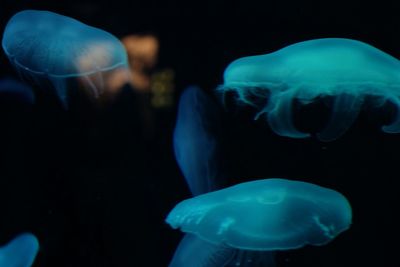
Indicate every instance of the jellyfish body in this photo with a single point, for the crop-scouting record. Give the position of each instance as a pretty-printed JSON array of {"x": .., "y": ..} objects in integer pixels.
[
  {"x": 195, "y": 141},
  {"x": 197, "y": 152},
  {"x": 20, "y": 252},
  {"x": 196, "y": 252},
  {"x": 345, "y": 69},
  {"x": 265, "y": 215},
  {"x": 46, "y": 47}
]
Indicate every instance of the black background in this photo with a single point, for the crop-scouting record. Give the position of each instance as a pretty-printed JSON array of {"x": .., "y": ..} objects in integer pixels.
[{"x": 97, "y": 197}]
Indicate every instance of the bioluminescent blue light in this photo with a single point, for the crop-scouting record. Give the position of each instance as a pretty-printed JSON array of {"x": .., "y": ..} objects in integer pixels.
[
  {"x": 19, "y": 252},
  {"x": 265, "y": 215},
  {"x": 195, "y": 252},
  {"x": 16, "y": 89},
  {"x": 345, "y": 69},
  {"x": 197, "y": 153},
  {"x": 195, "y": 141},
  {"x": 47, "y": 47}
]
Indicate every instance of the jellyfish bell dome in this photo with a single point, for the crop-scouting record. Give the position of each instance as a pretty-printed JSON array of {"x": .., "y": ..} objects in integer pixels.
[
  {"x": 47, "y": 47},
  {"x": 349, "y": 71},
  {"x": 19, "y": 252},
  {"x": 265, "y": 215}
]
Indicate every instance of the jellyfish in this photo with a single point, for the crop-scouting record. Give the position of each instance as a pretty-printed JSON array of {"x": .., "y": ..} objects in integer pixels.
[
  {"x": 51, "y": 49},
  {"x": 200, "y": 253},
  {"x": 20, "y": 252},
  {"x": 197, "y": 152},
  {"x": 195, "y": 141},
  {"x": 15, "y": 90},
  {"x": 346, "y": 70},
  {"x": 261, "y": 216}
]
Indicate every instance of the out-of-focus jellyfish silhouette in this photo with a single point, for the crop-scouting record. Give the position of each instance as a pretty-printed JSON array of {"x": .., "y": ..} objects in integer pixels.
[
  {"x": 51, "y": 49},
  {"x": 19, "y": 252},
  {"x": 264, "y": 215},
  {"x": 12, "y": 89},
  {"x": 198, "y": 155},
  {"x": 343, "y": 69},
  {"x": 195, "y": 141}
]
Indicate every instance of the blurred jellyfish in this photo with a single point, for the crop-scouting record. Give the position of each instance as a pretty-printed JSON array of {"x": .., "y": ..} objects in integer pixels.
[
  {"x": 15, "y": 90},
  {"x": 195, "y": 141},
  {"x": 263, "y": 216},
  {"x": 197, "y": 153},
  {"x": 50, "y": 49},
  {"x": 344, "y": 69},
  {"x": 20, "y": 252}
]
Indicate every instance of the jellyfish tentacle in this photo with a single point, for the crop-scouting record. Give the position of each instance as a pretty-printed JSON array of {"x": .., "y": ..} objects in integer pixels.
[
  {"x": 100, "y": 81},
  {"x": 248, "y": 258},
  {"x": 345, "y": 111},
  {"x": 92, "y": 86},
  {"x": 61, "y": 90},
  {"x": 280, "y": 115}
]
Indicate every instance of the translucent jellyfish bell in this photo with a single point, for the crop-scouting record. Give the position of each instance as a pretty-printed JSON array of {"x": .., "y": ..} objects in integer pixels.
[
  {"x": 264, "y": 215},
  {"x": 345, "y": 69},
  {"x": 47, "y": 47},
  {"x": 195, "y": 141},
  {"x": 196, "y": 252},
  {"x": 20, "y": 252}
]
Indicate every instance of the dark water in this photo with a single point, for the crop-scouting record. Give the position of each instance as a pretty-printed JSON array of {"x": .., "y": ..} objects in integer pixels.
[
  {"x": 95, "y": 188},
  {"x": 94, "y": 185}
]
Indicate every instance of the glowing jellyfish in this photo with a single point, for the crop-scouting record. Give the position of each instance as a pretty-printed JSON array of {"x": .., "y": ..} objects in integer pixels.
[
  {"x": 197, "y": 153},
  {"x": 20, "y": 252},
  {"x": 47, "y": 47},
  {"x": 195, "y": 141},
  {"x": 199, "y": 253},
  {"x": 264, "y": 215},
  {"x": 345, "y": 69}
]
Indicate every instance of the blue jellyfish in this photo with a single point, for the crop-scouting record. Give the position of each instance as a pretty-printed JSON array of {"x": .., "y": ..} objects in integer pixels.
[
  {"x": 199, "y": 253},
  {"x": 20, "y": 252},
  {"x": 197, "y": 152},
  {"x": 264, "y": 216},
  {"x": 344, "y": 69},
  {"x": 46, "y": 47},
  {"x": 195, "y": 141},
  {"x": 21, "y": 92}
]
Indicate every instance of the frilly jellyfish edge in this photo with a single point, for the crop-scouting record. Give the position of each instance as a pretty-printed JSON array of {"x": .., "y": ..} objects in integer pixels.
[
  {"x": 48, "y": 48},
  {"x": 344, "y": 69},
  {"x": 284, "y": 215}
]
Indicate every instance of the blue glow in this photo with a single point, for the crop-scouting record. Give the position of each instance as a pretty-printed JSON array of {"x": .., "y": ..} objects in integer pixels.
[
  {"x": 195, "y": 252},
  {"x": 195, "y": 141},
  {"x": 19, "y": 252},
  {"x": 17, "y": 89},
  {"x": 345, "y": 69},
  {"x": 47, "y": 47},
  {"x": 279, "y": 214}
]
